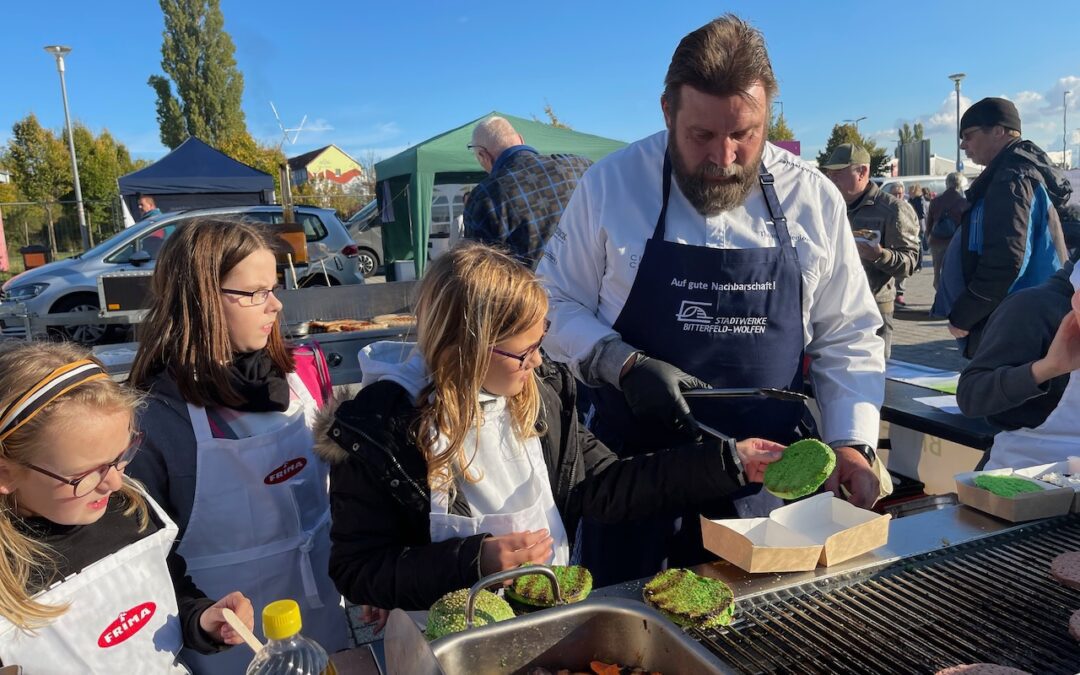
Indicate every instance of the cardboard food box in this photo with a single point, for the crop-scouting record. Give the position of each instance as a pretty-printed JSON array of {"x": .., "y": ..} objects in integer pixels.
[
  {"x": 1051, "y": 501},
  {"x": 1069, "y": 467},
  {"x": 798, "y": 537}
]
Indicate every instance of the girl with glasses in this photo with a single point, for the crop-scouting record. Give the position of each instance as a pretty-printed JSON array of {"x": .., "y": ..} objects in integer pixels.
[
  {"x": 228, "y": 449},
  {"x": 87, "y": 579},
  {"x": 462, "y": 454}
]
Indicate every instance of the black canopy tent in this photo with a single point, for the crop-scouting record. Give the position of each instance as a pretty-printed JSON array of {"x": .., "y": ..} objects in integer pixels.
[{"x": 195, "y": 175}]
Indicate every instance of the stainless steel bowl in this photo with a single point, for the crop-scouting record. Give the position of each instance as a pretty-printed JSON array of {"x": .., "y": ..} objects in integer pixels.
[{"x": 612, "y": 630}]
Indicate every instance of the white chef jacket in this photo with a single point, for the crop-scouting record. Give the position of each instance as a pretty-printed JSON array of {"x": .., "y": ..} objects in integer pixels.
[{"x": 590, "y": 263}]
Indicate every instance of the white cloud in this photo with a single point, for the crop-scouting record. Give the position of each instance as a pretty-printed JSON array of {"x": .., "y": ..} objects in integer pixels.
[
  {"x": 318, "y": 125},
  {"x": 944, "y": 119},
  {"x": 1054, "y": 97}
]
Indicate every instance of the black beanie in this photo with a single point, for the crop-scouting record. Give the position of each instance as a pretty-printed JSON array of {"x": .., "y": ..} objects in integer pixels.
[{"x": 991, "y": 112}]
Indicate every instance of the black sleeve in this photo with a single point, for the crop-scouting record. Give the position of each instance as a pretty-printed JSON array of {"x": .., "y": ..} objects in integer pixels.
[
  {"x": 667, "y": 481},
  {"x": 1006, "y": 211},
  {"x": 192, "y": 603},
  {"x": 381, "y": 555},
  {"x": 998, "y": 382}
]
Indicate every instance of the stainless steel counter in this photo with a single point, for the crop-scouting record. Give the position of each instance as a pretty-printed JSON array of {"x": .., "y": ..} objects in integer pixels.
[{"x": 910, "y": 536}]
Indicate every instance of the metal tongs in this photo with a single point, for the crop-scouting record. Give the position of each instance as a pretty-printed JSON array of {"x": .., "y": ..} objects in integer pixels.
[{"x": 767, "y": 392}]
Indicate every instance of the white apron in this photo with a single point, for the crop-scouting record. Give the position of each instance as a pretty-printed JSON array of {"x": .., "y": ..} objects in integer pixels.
[
  {"x": 122, "y": 616},
  {"x": 261, "y": 525},
  {"x": 542, "y": 513},
  {"x": 1054, "y": 440}
]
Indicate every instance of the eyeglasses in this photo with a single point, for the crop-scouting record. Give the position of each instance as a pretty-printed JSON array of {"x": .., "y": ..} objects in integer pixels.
[
  {"x": 253, "y": 298},
  {"x": 524, "y": 356},
  {"x": 86, "y": 483},
  {"x": 473, "y": 147}
]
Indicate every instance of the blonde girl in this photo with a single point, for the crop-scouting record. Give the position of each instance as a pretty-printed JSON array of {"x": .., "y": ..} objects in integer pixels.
[{"x": 87, "y": 580}]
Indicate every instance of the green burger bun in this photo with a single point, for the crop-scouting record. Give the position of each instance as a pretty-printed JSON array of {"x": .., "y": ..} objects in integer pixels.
[
  {"x": 447, "y": 615},
  {"x": 689, "y": 599},
  {"x": 534, "y": 590},
  {"x": 801, "y": 470}
]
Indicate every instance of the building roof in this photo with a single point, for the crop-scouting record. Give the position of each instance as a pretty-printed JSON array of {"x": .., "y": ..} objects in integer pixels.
[{"x": 301, "y": 161}]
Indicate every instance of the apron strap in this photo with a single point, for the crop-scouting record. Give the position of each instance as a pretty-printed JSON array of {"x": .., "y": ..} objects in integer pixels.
[
  {"x": 768, "y": 190},
  {"x": 304, "y": 543},
  {"x": 773, "y": 203},
  {"x": 200, "y": 420},
  {"x": 661, "y": 220}
]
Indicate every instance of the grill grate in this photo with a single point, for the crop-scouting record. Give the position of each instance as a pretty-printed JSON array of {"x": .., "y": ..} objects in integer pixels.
[{"x": 990, "y": 601}]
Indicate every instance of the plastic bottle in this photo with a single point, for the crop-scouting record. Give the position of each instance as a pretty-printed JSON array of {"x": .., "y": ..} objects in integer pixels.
[{"x": 286, "y": 651}]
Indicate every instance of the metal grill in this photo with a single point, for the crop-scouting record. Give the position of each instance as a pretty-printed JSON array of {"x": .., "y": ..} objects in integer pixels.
[{"x": 990, "y": 601}]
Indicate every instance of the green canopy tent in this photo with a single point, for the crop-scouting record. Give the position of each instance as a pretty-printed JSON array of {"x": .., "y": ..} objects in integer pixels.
[{"x": 405, "y": 182}]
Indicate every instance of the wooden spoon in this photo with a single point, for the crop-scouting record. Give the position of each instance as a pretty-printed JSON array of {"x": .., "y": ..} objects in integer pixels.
[{"x": 239, "y": 627}]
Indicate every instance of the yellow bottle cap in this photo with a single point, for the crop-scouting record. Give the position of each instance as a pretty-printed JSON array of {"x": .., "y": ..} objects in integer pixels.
[{"x": 281, "y": 619}]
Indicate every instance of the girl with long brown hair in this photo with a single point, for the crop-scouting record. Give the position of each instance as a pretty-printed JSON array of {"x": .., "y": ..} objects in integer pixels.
[
  {"x": 228, "y": 439},
  {"x": 462, "y": 454},
  {"x": 87, "y": 579}
]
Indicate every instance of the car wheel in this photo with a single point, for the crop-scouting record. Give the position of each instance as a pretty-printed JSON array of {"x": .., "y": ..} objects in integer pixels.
[
  {"x": 367, "y": 262},
  {"x": 87, "y": 334}
]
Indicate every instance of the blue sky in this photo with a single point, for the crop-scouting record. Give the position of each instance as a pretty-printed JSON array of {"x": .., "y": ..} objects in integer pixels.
[{"x": 380, "y": 76}]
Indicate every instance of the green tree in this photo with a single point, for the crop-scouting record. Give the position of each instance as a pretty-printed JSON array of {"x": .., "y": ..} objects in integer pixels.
[
  {"x": 40, "y": 167},
  {"x": 909, "y": 134},
  {"x": 779, "y": 129},
  {"x": 102, "y": 160},
  {"x": 197, "y": 57},
  {"x": 848, "y": 133}
]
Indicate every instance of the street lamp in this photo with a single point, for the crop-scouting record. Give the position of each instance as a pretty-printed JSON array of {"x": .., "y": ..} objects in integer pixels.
[
  {"x": 1064, "y": 127},
  {"x": 856, "y": 122},
  {"x": 956, "y": 77},
  {"x": 59, "y": 51}
]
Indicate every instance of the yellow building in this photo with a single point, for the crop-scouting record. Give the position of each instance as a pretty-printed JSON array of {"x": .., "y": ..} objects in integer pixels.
[{"x": 329, "y": 164}]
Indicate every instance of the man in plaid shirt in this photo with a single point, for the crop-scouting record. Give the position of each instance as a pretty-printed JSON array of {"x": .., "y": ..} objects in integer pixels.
[{"x": 520, "y": 202}]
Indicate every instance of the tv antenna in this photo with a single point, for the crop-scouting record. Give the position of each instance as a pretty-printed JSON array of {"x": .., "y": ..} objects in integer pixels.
[{"x": 285, "y": 132}]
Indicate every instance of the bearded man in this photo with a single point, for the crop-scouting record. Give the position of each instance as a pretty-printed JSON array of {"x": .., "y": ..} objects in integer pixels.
[{"x": 732, "y": 275}]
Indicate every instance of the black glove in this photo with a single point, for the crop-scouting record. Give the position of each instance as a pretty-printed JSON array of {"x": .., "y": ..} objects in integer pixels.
[{"x": 653, "y": 389}]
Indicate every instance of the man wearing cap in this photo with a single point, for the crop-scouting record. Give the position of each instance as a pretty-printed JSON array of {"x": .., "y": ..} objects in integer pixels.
[
  {"x": 886, "y": 229},
  {"x": 1010, "y": 237},
  {"x": 705, "y": 255}
]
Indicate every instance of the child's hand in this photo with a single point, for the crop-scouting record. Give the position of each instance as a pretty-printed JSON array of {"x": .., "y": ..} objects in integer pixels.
[
  {"x": 212, "y": 621},
  {"x": 374, "y": 615}
]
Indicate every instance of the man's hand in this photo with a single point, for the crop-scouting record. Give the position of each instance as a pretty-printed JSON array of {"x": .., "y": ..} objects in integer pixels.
[
  {"x": 514, "y": 550},
  {"x": 870, "y": 252},
  {"x": 653, "y": 389},
  {"x": 957, "y": 332},
  {"x": 756, "y": 454},
  {"x": 1063, "y": 356},
  {"x": 213, "y": 623},
  {"x": 854, "y": 473}
]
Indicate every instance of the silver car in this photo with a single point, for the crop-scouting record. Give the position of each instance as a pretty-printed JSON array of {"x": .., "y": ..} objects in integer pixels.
[{"x": 71, "y": 285}]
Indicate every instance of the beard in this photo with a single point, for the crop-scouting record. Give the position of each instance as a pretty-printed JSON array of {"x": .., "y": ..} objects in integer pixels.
[{"x": 711, "y": 198}]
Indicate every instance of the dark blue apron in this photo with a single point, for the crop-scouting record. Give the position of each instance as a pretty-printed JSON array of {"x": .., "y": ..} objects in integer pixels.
[{"x": 732, "y": 317}]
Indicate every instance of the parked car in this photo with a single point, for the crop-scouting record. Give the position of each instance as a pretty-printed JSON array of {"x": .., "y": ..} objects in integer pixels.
[
  {"x": 935, "y": 184},
  {"x": 71, "y": 285},
  {"x": 365, "y": 228}
]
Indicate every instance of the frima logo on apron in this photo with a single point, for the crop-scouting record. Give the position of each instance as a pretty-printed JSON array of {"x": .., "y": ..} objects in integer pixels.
[
  {"x": 127, "y": 624},
  {"x": 285, "y": 471}
]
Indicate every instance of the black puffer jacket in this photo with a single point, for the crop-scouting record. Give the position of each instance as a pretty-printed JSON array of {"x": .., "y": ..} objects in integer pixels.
[
  {"x": 382, "y": 551},
  {"x": 1004, "y": 192}
]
